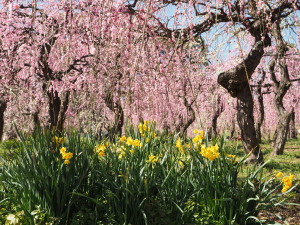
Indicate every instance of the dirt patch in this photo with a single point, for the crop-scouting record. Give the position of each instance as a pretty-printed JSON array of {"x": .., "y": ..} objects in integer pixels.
[{"x": 288, "y": 213}]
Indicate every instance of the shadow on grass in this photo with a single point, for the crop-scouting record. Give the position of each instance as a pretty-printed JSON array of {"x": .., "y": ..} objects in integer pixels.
[{"x": 273, "y": 165}]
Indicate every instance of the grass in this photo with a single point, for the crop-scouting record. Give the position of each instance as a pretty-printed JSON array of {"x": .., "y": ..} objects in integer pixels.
[
  {"x": 124, "y": 170},
  {"x": 288, "y": 163}
]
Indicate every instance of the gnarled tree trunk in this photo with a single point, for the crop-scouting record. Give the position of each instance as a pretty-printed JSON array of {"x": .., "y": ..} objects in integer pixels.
[
  {"x": 3, "y": 106},
  {"x": 280, "y": 89},
  {"x": 246, "y": 123},
  {"x": 236, "y": 81}
]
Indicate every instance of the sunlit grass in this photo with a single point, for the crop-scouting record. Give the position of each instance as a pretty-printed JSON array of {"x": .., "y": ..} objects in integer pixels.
[{"x": 289, "y": 162}]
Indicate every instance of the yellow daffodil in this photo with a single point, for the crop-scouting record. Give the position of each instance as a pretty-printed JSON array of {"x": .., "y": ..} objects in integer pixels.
[
  {"x": 210, "y": 152},
  {"x": 152, "y": 159},
  {"x": 62, "y": 150},
  {"x": 279, "y": 174},
  {"x": 179, "y": 145},
  {"x": 68, "y": 155},
  {"x": 58, "y": 140},
  {"x": 101, "y": 153},
  {"x": 122, "y": 139},
  {"x": 288, "y": 182}
]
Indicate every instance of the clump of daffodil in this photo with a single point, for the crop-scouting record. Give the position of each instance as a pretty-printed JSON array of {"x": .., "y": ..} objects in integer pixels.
[
  {"x": 133, "y": 142},
  {"x": 152, "y": 159},
  {"x": 210, "y": 152},
  {"x": 279, "y": 174},
  {"x": 122, "y": 139},
  {"x": 144, "y": 128},
  {"x": 100, "y": 149},
  {"x": 233, "y": 157},
  {"x": 181, "y": 162},
  {"x": 179, "y": 145},
  {"x": 197, "y": 140},
  {"x": 121, "y": 152},
  {"x": 287, "y": 182},
  {"x": 65, "y": 155},
  {"x": 58, "y": 140}
]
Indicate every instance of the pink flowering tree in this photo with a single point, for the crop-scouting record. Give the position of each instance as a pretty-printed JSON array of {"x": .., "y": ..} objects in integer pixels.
[{"x": 141, "y": 60}]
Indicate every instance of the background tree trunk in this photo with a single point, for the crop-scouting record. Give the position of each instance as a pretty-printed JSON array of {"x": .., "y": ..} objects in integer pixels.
[
  {"x": 218, "y": 109},
  {"x": 293, "y": 131},
  {"x": 116, "y": 108},
  {"x": 281, "y": 134},
  {"x": 36, "y": 120},
  {"x": 280, "y": 89},
  {"x": 183, "y": 125},
  {"x": 3, "y": 106},
  {"x": 232, "y": 129},
  {"x": 58, "y": 106},
  {"x": 261, "y": 113}
]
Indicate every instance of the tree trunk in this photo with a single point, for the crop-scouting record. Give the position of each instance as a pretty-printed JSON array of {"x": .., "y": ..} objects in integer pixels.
[
  {"x": 116, "y": 108},
  {"x": 281, "y": 134},
  {"x": 293, "y": 131},
  {"x": 232, "y": 130},
  {"x": 58, "y": 106},
  {"x": 218, "y": 109},
  {"x": 3, "y": 106},
  {"x": 182, "y": 126},
  {"x": 245, "y": 120},
  {"x": 280, "y": 89},
  {"x": 261, "y": 113},
  {"x": 236, "y": 81}
]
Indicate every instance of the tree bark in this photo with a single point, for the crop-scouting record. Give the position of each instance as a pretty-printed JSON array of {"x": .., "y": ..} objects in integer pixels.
[
  {"x": 36, "y": 120},
  {"x": 261, "y": 113},
  {"x": 218, "y": 109},
  {"x": 236, "y": 81},
  {"x": 232, "y": 129},
  {"x": 3, "y": 105},
  {"x": 280, "y": 136},
  {"x": 246, "y": 123},
  {"x": 116, "y": 108},
  {"x": 182, "y": 126},
  {"x": 293, "y": 131},
  {"x": 58, "y": 106},
  {"x": 280, "y": 88}
]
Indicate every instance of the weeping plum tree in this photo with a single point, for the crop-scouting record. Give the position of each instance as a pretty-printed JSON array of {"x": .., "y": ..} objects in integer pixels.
[
  {"x": 255, "y": 17},
  {"x": 44, "y": 55},
  {"x": 141, "y": 55}
]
